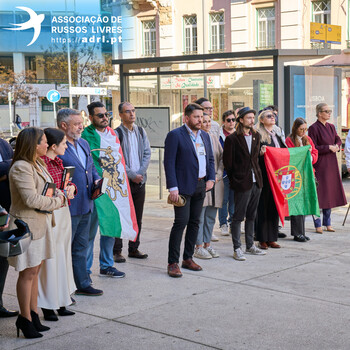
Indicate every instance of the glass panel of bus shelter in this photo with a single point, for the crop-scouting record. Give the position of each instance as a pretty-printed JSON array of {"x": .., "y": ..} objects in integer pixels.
[{"x": 253, "y": 89}]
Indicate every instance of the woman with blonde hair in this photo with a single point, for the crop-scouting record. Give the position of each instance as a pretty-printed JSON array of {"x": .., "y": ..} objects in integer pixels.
[
  {"x": 298, "y": 138},
  {"x": 330, "y": 190},
  {"x": 267, "y": 217},
  {"x": 27, "y": 177}
]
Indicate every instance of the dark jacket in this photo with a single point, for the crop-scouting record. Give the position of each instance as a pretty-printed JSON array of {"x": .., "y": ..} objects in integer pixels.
[
  {"x": 82, "y": 178},
  {"x": 181, "y": 162},
  {"x": 7, "y": 155},
  {"x": 239, "y": 163}
]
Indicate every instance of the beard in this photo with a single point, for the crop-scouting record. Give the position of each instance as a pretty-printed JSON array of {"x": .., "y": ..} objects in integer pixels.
[{"x": 75, "y": 137}]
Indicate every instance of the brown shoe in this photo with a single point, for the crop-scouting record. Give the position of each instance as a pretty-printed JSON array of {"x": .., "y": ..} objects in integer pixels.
[
  {"x": 319, "y": 230},
  {"x": 263, "y": 245},
  {"x": 189, "y": 264},
  {"x": 273, "y": 245},
  {"x": 118, "y": 258},
  {"x": 137, "y": 254},
  {"x": 330, "y": 229},
  {"x": 174, "y": 270}
]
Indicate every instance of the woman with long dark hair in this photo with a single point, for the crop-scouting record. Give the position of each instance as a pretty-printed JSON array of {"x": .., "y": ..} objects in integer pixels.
[
  {"x": 298, "y": 138},
  {"x": 330, "y": 190},
  {"x": 28, "y": 176},
  {"x": 56, "y": 282},
  {"x": 267, "y": 216}
]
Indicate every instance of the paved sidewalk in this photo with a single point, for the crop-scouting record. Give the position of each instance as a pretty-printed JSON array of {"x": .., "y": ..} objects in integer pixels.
[{"x": 296, "y": 297}]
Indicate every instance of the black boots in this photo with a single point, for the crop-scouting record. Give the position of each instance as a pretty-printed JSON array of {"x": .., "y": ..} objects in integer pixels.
[
  {"x": 49, "y": 315},
  {"x": 36, "y": 322},
  {"x": 27, "y": 328}
]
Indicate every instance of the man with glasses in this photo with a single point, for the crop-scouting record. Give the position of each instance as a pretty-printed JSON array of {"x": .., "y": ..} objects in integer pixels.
[
  {"x": 137, "y": 154},
  {"x": 228, "y": 127},
  {"x": 99, "y": 119},
  {"x": 208, "y": 109}
]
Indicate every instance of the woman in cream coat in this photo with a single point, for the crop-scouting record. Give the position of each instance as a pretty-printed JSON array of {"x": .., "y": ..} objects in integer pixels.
[
  {"x": 213, "y": 200},
  {"x": 28, "y": 177}
]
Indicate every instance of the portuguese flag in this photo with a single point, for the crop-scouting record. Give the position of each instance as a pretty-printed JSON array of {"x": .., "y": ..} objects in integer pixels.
[
  {"x": 115, "y": 208},
  {"x": 292, "y": 181}
]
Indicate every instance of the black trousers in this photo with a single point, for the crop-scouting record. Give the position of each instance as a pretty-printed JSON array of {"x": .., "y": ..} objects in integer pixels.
[
  {"x": 188, "y": 215},
  {"x": 297, "y": 225},
  {"x": 138, "y": 193},
  {"x": 4, "y": 266}
]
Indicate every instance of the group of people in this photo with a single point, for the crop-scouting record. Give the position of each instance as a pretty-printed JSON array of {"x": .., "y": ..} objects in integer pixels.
[
  {"x": 207, "y": 169},
  {"x": 64, "y": 224},
  {"x": 210, "y": 170}
]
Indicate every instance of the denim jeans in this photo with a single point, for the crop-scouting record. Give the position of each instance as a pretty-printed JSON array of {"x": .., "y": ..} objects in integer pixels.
[
  {"x": 206, "y": 224},
  {"x": 228, "y": 204},
  {"x": 326, "y": 221},
  {"x": 80, "y": 242},
  {"x": 106, "y": 246}
]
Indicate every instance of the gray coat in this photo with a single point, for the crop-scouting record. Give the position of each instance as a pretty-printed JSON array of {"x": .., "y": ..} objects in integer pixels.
[{"x": 144, "y": 152}]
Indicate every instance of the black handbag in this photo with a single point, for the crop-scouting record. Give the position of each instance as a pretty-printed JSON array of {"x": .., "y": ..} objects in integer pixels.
[{"x": 15, "y": 242}]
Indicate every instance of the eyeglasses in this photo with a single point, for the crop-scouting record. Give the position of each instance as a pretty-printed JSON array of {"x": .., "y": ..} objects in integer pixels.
[
  {"x": 327, "y": 111},
  {"x": 229, "y": 120},
  {"x": 209, "y": 108},
  {"x": 270, "y": 116},
  {"x": 102, "y": 115},
  {"x": 129, "y": 111}
]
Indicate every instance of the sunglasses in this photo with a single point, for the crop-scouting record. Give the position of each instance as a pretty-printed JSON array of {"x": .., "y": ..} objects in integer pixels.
[
  {"x": 270, "y": 116},
  {"x": 229, "y": 120},
  {"x": 327, "y": 111},
  {"x": 102, "y": 115}
]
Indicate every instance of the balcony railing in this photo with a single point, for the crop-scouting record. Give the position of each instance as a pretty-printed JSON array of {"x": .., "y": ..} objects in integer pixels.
[
  {"x": 316, "y": 45},
  {"x": 265, "y": 47}
]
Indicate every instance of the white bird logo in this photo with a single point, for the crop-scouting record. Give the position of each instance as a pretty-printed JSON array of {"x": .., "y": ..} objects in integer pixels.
[{"x": 34, "y": 22}]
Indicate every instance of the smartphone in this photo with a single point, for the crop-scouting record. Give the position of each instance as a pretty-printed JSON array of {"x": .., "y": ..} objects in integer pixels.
[{"x": 3, "y": 219}]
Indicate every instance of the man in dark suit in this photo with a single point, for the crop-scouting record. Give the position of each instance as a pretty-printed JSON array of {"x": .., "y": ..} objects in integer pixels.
[
  {"x": 6, "y": 155},
  {"x": 241, "y": 152},
  {"x": 78, "y": 154},
  {"x": 190, "y": 171}
]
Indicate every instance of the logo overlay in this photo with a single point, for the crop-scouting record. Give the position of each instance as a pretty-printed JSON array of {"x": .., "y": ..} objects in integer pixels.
[
  {"x": 34, "y": 22},
  {"x": 290, "y": 180}
]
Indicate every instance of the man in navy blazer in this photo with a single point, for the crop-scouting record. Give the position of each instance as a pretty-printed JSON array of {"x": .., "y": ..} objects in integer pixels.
[
  {"x": 190, "y": 172},
  {"x": 78, "y": 154}
]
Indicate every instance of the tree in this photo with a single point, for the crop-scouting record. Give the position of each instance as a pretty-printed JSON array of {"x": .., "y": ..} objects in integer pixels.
[
  {"x": 86, "y": 68},
  {"x": 19, "y": 85}
]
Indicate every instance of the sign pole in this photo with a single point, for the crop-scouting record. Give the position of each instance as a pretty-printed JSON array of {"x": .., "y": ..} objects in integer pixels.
[
  {"x": 54, "y": 112},
  {"x": 9, "y": 97}
]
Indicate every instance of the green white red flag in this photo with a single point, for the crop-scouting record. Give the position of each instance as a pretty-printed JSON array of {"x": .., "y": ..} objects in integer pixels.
[
  {"x": 292, "y": 181},
  {"x": 115, "y": 208}
]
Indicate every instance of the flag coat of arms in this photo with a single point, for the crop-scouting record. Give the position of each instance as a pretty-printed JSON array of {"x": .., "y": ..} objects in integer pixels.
[
  {"x": 115, "y": 208},
  {"x": 292, "y": 181}
]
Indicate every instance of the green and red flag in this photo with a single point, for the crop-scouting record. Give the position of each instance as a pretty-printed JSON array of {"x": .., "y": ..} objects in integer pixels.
[
  {"x": 292, "y": 181},
  {"x": 115, "y": 208}
]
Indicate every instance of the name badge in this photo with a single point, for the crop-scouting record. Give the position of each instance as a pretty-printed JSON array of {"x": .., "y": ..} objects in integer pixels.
[{"x": 200, "y": 149}]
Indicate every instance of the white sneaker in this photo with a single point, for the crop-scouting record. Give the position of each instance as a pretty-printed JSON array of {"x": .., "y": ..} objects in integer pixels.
[
  {"x": 214, "y": 238},
  {"x": 201, "y": 253},
  {"x": 212, "y": 252},
  {"x": 254, "y": 250},
  {"x": 239, "y": 255},
  {"x": 224, "y": 230}
]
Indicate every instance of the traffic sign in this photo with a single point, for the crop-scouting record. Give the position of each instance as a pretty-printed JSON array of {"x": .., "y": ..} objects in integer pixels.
[
  {"x": 325, "y": 33},
  {"x": 333, "y": 34},
  {"x": 53, "y": 96}
]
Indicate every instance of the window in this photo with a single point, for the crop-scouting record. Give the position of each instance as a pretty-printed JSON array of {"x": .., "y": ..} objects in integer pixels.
[
  {"x": 149, "y": 38},
  {"x": 322, "y": 11},
  {"x": 217, "y": 36},
  {"x": 47, "y": 106},
  {"x": 190, "y": 31},
  {"x": 266, "y": 28}
]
